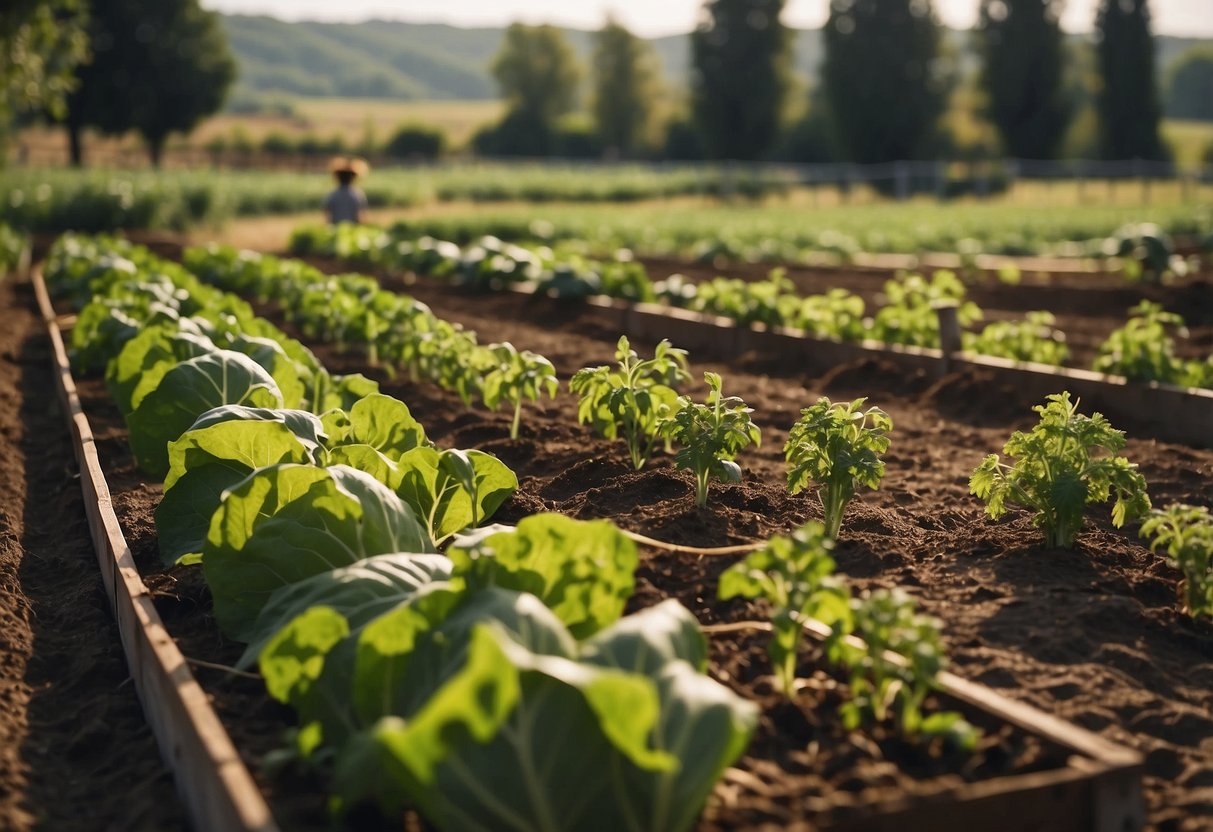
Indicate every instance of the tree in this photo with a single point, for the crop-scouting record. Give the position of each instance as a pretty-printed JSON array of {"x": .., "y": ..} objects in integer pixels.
[
  {"x": 41, "y": 41},
  {"x": 1190, "y": 84},
  {"x": 885, "y": 77},
  {"x": 626, "y": 87},
  {"x": 158, "y": 67},
  {"x": 1023, "y": 74},
  {"x": 538, "y": 74},
  {"x": 740, "y": 55},
  {"x": 1128, "y": 98}
]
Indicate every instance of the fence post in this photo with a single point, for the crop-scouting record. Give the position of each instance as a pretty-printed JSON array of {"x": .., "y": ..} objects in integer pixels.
[{"x": 949, "y": 331}]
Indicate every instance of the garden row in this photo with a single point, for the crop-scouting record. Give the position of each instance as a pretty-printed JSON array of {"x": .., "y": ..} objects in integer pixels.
[
  {"x": 46, "y": 200},
  {"x": 786, "y": 234},
  {"x": 1144, "y": 349},
  {"x": 298, "y": 516}
]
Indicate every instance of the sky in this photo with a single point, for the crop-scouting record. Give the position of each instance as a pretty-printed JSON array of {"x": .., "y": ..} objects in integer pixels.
[{"x": 1193, "y": 18}]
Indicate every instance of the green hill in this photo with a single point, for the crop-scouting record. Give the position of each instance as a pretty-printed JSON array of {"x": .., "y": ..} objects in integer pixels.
[{"x": 427, "y": 61}]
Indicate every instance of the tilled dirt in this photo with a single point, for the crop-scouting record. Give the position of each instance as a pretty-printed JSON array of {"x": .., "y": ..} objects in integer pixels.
[
  {"x": 75, "y": 751},
  {"x": 1091, "y": 635}
]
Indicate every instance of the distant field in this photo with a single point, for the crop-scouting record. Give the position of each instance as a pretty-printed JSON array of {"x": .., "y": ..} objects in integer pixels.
[{"x": 1189, "y": 139}]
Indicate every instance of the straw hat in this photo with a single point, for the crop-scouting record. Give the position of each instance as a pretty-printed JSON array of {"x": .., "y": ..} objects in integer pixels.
[{"x": 343, "y": 164}]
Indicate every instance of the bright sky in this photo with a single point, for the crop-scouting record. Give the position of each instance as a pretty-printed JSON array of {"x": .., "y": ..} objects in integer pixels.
[{"x": 1193, "y": 18}]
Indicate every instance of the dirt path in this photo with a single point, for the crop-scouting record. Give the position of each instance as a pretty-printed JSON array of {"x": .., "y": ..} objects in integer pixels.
[{"x": 75, "y": 751}]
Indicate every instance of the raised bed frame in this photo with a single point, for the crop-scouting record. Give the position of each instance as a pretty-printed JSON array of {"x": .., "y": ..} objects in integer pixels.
[{"x": 1099, "y": 789}]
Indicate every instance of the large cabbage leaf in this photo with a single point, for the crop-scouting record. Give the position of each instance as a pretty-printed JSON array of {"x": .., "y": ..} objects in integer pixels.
[
  {"x": 583, "y": 570},
  {"x": 223, "y": 447},
  {"x": 360, "y": 593},
  {"x": 286, "y": 523},
  {"x": 186, "y": 392},
  {"x": 492, "y": 734}
]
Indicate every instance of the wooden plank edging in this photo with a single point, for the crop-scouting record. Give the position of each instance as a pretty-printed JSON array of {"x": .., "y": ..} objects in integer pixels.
[{"x": 213, "y": 782}]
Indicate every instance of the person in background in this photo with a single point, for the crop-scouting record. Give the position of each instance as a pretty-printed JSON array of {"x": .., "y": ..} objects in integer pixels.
[{"x": 346, "y": 202}]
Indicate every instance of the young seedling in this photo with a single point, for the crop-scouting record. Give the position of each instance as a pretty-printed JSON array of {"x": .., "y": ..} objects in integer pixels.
[
  {"x": 795, "y": 575},
  {"x": 838, "y": 446},
  {"x": 711, "y": 435},
  {"x": 636, "y": 401},
  {"x": 895, "y": 668},
  {"x": 1186, "y": 534},
  {"x": 517, "y": 376},
  {"x": 1061, "y": 465}
]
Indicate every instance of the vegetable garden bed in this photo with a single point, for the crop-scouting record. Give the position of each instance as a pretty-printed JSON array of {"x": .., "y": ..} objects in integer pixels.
[{"x": 563, "y": 469}]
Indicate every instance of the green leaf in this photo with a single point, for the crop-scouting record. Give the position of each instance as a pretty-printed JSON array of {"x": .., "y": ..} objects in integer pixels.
[
  {"x": 583, "y": 570},
  {"x": 360, "y": 593},
  {"x": 186, "y": 392},
  {"x": 436, "y": 487},
  {"x": 385, "y": 424},
  {"x": 286, "y": 523}
]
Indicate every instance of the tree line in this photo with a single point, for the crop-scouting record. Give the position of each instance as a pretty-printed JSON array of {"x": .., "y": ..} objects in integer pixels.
[{"x": 886, "y": 86}]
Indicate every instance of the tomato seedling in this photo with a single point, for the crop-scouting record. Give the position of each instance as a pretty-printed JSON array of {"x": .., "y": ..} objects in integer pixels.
[
  {"x": 1057, "y": 472},
  {"x": 838, "y": 446},
  {"x": 711, "y": 435}
]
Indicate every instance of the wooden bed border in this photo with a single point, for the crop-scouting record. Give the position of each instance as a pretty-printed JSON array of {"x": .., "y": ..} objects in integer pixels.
[{"x": 214, "y": 784}]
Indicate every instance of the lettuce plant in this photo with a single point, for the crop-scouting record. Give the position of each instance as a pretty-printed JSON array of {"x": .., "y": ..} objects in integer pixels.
[
  {"x": 710, "y": 435},
  {"x": 636, "y": 401},
  {"x": 1185, "y": 533},
  {"x": 838, "y": 447},
  {"x": 1064, "y": 463}
]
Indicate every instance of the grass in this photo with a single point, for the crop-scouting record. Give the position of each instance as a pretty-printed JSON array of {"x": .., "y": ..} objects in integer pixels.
[{"x": 1189, "y": 140}]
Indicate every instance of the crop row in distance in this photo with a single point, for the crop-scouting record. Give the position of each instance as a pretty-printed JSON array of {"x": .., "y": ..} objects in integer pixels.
[{"x": 1144, "y": 349}]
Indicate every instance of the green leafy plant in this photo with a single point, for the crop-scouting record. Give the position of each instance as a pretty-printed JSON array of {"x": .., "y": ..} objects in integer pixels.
[
  {"x": 636, "y": 401},
  {"x": 795, "y": 575},
  {"x": 517, "y": 376},
  {"x": 711, "y": 435},
  {"x": 1143, "y": 349},
  {"x": 909, "y": 315},
  {"x": 894, "y": 667},
  {"x": 1064, "y": 463},
  {"x": 1185, "y": 533},
  {"x": 838, "y": 447},
  {"x": 1033, "y": 339}
]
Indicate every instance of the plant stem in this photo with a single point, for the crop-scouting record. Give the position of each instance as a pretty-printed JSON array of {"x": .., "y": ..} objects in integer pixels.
[{"x": 517, "y": 417}]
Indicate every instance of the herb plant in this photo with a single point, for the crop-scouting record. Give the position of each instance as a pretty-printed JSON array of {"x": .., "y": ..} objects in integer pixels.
[
  {"x": 795, "y": 575},
  {"x": 837, "y": 446},
  {"x": 636, "y": 401},
  {"x": 1065, "y": 462},
  {"x": 895, "y": 668},
  {"x": 1143, "y": 349},
  {"x": 518, "y": 375},
  {"x": 711, "y": 435},
  {"x": 1185, "y": 533}
]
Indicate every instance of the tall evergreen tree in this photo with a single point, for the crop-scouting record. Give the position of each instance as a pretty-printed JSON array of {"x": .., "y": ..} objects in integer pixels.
[
  {"x": 538, "y": 74},
  {"x": 1129, "y": 111},
  {"x": 625, "y": 88},
  {"x": 884, "y": 77},
  {"x": 740, "y": 58},
  {"x": 158, "y": 67},
  {"x": 1023, "y": 73}
]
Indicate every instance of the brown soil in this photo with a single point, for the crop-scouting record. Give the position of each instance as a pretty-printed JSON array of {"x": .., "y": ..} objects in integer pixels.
[
  {"x": 1091, "y": 635},
  {"x": 75, "y": 751}
]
